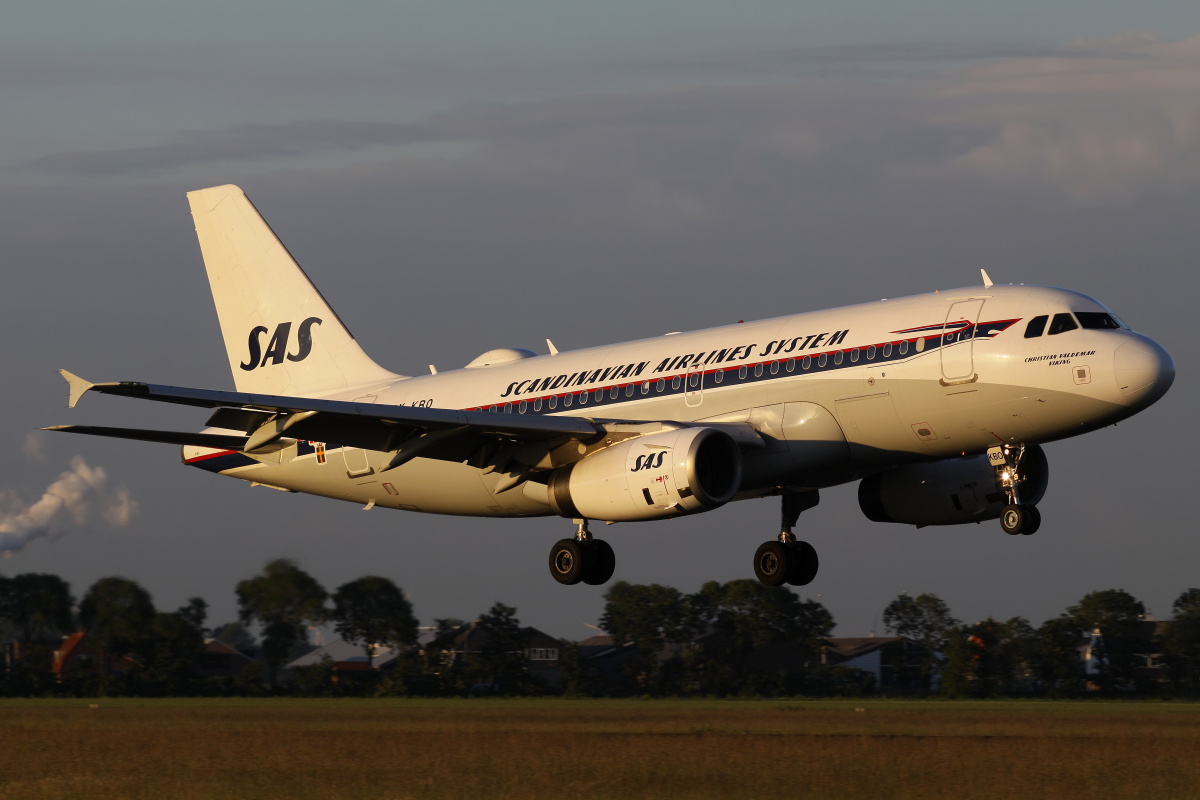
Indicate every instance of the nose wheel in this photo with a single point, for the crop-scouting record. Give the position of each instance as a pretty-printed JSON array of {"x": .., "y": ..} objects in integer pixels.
[
  {"x": 1021, "y": 520},
  {"x": 582, "y": 559},
  {"x": 787, "y": 560}
]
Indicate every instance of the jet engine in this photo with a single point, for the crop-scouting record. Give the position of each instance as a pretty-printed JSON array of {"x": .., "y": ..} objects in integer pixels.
[
  {"x": 660, "y": 475},
  {"x": 950, "y": 492}
]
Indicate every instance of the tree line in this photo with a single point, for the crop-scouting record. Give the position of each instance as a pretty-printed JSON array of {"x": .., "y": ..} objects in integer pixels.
[{"x": 735, "y": 638}]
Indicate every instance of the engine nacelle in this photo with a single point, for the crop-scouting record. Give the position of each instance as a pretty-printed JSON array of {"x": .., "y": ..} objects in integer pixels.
[
  {"x": 949, "y": 492},
  {"x": 660, "y": 475}
]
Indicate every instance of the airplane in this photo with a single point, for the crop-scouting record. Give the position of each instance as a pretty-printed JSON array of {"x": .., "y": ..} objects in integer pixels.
[{"x": 938, "y": 404}]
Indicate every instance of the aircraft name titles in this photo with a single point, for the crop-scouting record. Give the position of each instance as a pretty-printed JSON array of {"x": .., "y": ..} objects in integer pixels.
[{"x": 688, "y": 361}]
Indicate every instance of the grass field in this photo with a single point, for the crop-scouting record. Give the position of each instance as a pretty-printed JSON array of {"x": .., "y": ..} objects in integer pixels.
[{"x": 380, "y": 749}]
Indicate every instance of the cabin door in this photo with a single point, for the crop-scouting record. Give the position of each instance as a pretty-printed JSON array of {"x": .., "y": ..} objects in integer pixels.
[{"x": 958, "y": 342}]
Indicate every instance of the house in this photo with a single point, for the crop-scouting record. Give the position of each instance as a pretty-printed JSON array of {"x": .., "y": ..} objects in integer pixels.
[
  {"x": 891, "y": 660},
  {"x": 541, "y": 651},
  {"x": 80, "y": 653},
  {"x": 219, "y": 660},
  {"x": 347, "y": 657}
]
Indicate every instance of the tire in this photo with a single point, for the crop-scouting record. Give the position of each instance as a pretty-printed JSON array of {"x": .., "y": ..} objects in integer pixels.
[
  {"x": 567, "y": 562},
  {"x": 599, "y": 563},
  {"x": 802, "y": 564},
  {"x": 771, "y": 563},
  {"x": 1014, "y": 519},
  {"x": 1034, "y": 522}
]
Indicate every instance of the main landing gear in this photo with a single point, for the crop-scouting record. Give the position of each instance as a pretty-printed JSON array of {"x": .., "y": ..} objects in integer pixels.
[
  {"x": 582, "y": 558},
  {"x": 1017, "y": 518},
  {"x": 787, "y": 560}
]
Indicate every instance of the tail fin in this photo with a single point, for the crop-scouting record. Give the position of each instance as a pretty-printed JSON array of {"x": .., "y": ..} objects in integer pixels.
[{"x": 281, "y": 336}]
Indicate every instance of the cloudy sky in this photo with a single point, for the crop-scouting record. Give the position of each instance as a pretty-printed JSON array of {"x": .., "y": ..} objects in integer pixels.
[{"x": 458, "y": 176}]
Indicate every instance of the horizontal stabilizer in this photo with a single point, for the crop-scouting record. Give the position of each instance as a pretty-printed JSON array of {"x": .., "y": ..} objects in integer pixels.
[
  {"x": 214, "y": 440},
  {"x": 78, "y": 387}
]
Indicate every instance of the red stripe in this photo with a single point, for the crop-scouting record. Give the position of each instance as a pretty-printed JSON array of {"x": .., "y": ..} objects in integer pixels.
[{"x": 210, "y": 455}]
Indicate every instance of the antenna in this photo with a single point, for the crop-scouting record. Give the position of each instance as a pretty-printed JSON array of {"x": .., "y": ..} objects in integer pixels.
[
  {"x": 987, "y": 282},
  {"x": 553, "y": 349}
]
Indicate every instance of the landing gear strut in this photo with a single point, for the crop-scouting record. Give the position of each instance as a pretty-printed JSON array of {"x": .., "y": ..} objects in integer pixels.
[
  {"x": 582, "y": 558},
  {"x": 787, "y": 560},
  {"x": 1017, "y": 518}
]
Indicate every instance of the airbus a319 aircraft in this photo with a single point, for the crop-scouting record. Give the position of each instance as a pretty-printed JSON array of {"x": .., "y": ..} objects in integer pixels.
[{"x": 938, "y": 404}]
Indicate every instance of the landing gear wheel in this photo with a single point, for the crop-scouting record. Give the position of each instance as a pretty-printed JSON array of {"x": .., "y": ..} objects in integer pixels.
[
  {"x": 1033, "y": 522},
  {"x": 598, "y": 562},
  {"x": 567, "y": 561},
  {"x": 802, "y": 563},
  {"x": 1015, "y": 519},
  {"x": 771, "y": 563}
]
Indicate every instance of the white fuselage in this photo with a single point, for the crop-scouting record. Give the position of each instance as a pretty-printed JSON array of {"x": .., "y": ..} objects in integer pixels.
[{"x": 836, "y": 394}]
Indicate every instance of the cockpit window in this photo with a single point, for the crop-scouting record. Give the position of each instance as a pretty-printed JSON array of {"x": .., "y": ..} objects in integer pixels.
[
  {"x": 1062, "y": 323},
  {"x": 1036, "y": 327},
  {"x": 1096, "y": 320}
]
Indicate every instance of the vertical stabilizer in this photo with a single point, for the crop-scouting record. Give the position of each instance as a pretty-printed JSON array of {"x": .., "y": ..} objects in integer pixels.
[{"x": 281, "y": 336}]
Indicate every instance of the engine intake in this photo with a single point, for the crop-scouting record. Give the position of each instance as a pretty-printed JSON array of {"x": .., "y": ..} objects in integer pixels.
[
  {"x": 949, "y": 492},
  {"x": 660, "y": 475}
]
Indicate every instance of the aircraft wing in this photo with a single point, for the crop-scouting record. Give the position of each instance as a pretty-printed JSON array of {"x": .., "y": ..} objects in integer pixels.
[
  {"x": 490, "y": 441},
  {"x": 401, "y": 429}
]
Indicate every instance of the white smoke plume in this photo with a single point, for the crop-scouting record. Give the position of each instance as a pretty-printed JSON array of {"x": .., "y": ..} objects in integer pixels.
[{"x": 70, "y": 498}]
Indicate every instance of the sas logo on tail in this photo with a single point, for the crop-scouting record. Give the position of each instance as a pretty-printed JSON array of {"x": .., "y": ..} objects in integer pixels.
[
  {"x": 277, "y": 348},
  {"x": 649, "y": 461}
]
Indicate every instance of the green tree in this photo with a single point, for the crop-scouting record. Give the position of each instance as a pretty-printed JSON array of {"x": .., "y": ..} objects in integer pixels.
[
  {"x": 502, "y": 655},
  {"x": 36, "y": 606},
  {"x": 753, "y": 615},
  {"x": 1179, "y": 642},
  {"x": 283, "y": 599},
  {"x": 372, "y": 611},
  {"x": 1117, "y": 617},
  {"x": 236, "y": 635},
  {"x": 746, "y": 616},
  {"x": 925, "y": 619},
  {"x": 649, "y": 617},
  {"x": 1056, "y": 660},
  {"x": 176, "y": 647},
  {"x": 118, "y": 614}
]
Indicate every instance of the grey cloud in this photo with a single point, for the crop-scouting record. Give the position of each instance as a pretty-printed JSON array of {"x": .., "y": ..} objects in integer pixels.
[{"x": 242, "y": 142}]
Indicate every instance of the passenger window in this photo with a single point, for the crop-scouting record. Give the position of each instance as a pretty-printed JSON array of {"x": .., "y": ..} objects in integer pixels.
[
  {"x": 675, "y": 382},
  {"x": 1036, "y": 327},
  {"x": 1062, "y": 323},
  {"x": 1096, "y": 320}
]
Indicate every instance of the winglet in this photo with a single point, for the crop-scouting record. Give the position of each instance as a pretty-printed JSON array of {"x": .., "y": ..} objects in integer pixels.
[
  {"x": 78, "y": 387},
  {"x": 553, "y": 349},
  {"x": 987, "y": 282}
]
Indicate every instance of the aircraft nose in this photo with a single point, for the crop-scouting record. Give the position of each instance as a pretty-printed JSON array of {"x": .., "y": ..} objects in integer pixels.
[{"x": 1144, "y": 371}]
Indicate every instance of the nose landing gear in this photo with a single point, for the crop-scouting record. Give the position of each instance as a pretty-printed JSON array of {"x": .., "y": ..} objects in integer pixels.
[
  {"x": 1017, "y": 518},
  {"x": 583, "y": 558},
  {"x": 788, "y": 560}
]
